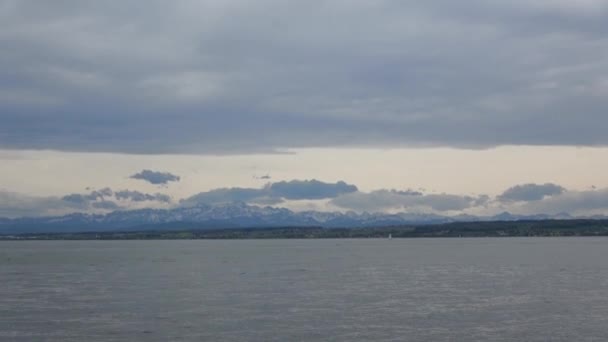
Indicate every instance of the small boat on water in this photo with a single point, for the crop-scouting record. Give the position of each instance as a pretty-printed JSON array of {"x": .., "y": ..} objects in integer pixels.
[{"x": 390, "y": 236}]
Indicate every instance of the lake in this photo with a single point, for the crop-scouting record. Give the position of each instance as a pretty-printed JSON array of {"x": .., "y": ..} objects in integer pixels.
[{"x": 483, "y": 289}]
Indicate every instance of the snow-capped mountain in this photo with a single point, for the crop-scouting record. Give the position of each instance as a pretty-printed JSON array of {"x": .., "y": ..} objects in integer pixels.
[{"x": 234, "y": 215}]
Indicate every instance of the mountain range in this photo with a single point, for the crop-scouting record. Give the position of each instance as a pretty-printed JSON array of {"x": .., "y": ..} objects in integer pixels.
[{"x": 234, "y": 215}]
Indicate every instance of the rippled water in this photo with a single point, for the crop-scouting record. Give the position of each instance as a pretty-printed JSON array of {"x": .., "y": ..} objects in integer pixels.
[{"x": 522, "y": 289}]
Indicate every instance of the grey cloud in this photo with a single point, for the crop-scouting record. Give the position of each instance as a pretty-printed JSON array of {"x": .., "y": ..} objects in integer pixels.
[
  {"x": 137, "y": 196},
  {"x": 583, "y": 200},
  {"x": 408, "y": 192},
  {"x": 176, "y": 78},
  {"x": 227, "y": 195},
  {"x": 104, "y": 200},
  {"x": 84, "y": 199},
  {"x": 530, "y": 192},
  {"x": 481, "y": 200},
  {"x": 382, "y": 200},
  {"x": 572, "y": 202},
  {"x": 106, "y": 205},
  {"x": 156, "y": 177},
  {"x": 310, "y": 189},
  {"x": 78, "y": 199},
  {"x": 273, "y": 193},
  {"x": 19, "y": 205}
]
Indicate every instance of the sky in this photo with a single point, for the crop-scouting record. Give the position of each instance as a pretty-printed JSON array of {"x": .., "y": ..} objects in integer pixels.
[{"x": 448, "y": 107}]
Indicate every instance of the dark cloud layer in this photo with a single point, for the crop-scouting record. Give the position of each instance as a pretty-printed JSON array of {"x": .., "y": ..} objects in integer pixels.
[
  {"x": 156, "y": 177},
  {"x": 236, "y": 76}
]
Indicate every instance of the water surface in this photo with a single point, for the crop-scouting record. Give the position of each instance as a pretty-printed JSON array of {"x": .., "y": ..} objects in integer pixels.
[{"x": 508, "y": 289}]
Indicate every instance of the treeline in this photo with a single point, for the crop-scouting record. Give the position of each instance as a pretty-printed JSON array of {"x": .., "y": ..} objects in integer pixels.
[{"x": 459, "y": 229}]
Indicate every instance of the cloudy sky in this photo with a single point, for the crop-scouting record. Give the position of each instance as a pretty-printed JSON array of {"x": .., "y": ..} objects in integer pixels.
[{"x": 436, "y": 106}]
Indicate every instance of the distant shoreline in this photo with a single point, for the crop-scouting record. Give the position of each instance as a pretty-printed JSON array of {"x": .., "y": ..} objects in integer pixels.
[{"x": 544, "y": 228}]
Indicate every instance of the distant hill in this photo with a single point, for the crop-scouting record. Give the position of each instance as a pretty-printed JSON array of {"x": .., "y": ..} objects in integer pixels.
[{"x": 548, "y": 228}]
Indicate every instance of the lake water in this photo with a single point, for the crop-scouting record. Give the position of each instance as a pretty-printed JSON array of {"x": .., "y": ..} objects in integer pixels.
[{"x": 508, "y": 289}]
